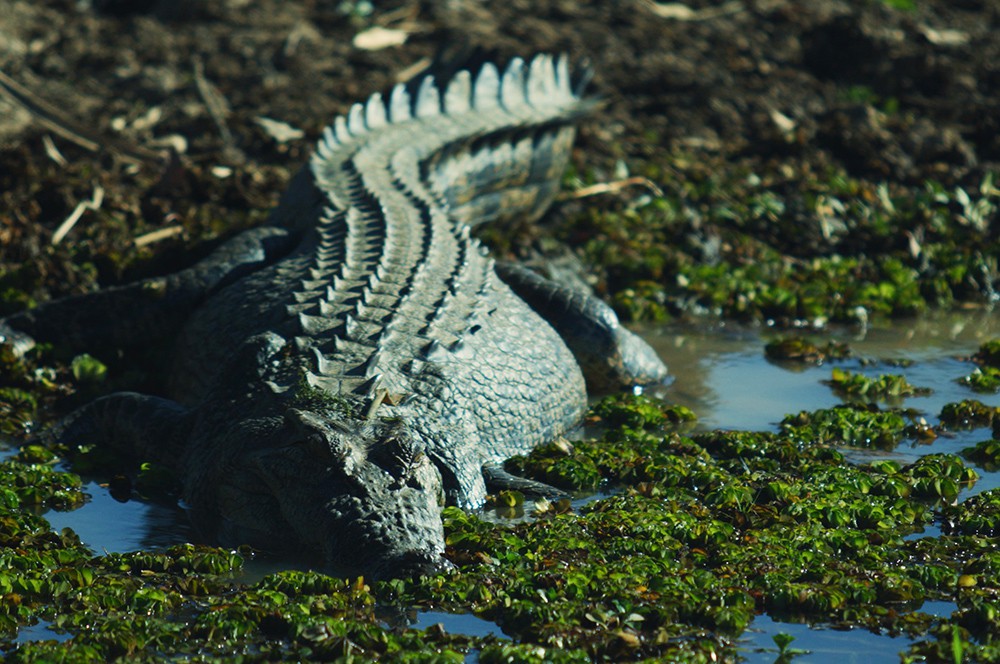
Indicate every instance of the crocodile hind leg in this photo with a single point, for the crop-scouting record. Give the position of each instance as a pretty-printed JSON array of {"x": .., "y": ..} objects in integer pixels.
[
  {"x": 137, "y": 426},
  {"x": 145, "y": 311},
  {"x": 611, "y": 357}
]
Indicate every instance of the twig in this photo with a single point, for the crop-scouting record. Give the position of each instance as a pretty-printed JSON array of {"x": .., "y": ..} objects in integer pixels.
[
  {"x": 615, "y": 187},
  {"x": 417, "y": 67},
  {"x": 681, "y": 12},
  {"x": 158, "y": 235},
  {"x": 216, "y": 104},
  {"x": 93, "y": 204},
  {"x": 54, "y": 120},
  {"x": 381, "y": 396},
  {"x": 52, "y": 151}
]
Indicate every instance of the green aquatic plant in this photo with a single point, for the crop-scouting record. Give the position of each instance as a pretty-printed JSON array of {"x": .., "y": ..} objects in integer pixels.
[
  {"x": 967, "y": 414},
  {"x": 985, "y": 379},
  {"x": 985, "y": 453},
  {"x": 852, "y": 425},
  {"x": 799, "y": 349},
  {"x": 978, "y": 515},
  {"x": 702, "y": 533},
  {"x": 887, "y": 387},
  {"x": 988, "y": 354}
]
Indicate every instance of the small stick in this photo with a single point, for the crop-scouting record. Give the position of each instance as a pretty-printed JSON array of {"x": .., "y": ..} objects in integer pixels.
[
  {"x": 52, "y": 151},
  {"x": 216, "y": 104},
  {"x": 93, "y": 204},
  {"x": 52, "y": 118},
  {"x": 158, "y": 235},
  {"x": 615, "y": 187}
]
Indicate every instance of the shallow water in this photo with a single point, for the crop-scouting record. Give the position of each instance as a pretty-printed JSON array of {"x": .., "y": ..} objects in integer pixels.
[
  {"x": 109, "y": 526},
  {"x": 721, "y": 373}
]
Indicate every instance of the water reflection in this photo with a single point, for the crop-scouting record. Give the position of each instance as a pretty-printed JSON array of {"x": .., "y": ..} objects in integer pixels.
[
  {"x": 720, "y": 371},
  {"x": 108, "y": 526}
]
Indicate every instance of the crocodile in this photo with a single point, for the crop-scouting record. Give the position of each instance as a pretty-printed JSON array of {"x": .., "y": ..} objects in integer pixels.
[{"x": 347, "y": 369}]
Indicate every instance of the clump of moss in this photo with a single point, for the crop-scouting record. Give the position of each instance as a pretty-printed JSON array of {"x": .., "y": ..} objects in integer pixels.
[
  {"x": 640, "y": 411},
  {"x": 988, "y": 354}
]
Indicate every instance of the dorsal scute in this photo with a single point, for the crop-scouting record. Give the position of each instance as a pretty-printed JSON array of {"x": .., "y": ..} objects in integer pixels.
[
  {"x": 458, "y": 95},
  {"x": 399, "y": 104},
  {"x": 353, "y": 312},
  {"x": 356, "y": 120},
  {"x": 428, "y": 101},
  {"x": 512, "y": 85},
  {"x": 340, "y": 130},
  {"x": 375, "y": 112},
  {"x": 541, "y": 86},
  {"x": 563, "y": 79},
  {"x": 327, "y": 144},
  {"x": 486, "y": 90},
  {"x": 543, "y": 81}
]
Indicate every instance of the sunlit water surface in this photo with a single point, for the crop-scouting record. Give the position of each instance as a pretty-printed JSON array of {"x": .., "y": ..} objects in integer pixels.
[{"x": 721, "y": 373}]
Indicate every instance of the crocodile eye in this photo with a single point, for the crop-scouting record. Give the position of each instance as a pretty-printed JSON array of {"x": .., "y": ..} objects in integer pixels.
[
  {"x": 329, "y": 446},
  {"x": 398, "y": 453}
]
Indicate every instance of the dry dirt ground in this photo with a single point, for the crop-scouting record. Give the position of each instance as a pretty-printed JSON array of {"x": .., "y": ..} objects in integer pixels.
[{"x": 883, "y": 90}]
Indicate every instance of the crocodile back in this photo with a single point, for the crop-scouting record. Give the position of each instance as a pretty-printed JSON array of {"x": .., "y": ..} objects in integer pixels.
[
  {"x": 389, "y": 294},
  {"x": 395, "y": 275}
]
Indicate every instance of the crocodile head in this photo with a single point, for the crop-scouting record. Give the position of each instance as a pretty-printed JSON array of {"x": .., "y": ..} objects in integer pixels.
[{"x": 362, "y": 493}]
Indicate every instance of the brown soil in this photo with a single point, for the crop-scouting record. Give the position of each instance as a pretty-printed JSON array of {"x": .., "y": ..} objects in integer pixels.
[{"x": 881, "y": 92}]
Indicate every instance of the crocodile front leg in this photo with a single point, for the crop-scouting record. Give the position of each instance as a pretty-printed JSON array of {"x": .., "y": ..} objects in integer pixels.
[
  {"x": 139, "y": 426},
  {"x": 611, "y": 357},
  {"x": 498, "y": 479},
  {"x": 146, "y": 311}
]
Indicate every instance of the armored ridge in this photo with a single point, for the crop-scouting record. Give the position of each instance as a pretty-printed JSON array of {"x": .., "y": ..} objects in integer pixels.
[
  {"x": 396, "y": 278},
  {"x": 343, "y": 370}
]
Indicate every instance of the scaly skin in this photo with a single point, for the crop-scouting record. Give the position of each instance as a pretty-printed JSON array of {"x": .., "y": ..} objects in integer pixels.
[{"x": 344, "y": 371}]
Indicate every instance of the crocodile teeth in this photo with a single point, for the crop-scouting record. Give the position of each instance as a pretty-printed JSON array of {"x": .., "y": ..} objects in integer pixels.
[
  {"x": 512, "y": 86},
  {"x": 428, "y": 102},
  {"x": 487, "y": 91}
]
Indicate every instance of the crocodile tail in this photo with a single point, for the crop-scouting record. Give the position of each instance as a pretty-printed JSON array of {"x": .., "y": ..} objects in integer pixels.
[
  {"x": 513, "y": 169},
  {"x": 487, "y": 146}
]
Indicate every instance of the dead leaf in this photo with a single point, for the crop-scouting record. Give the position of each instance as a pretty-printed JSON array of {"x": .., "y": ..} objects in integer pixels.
[{"x": 377, "y": 38}]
